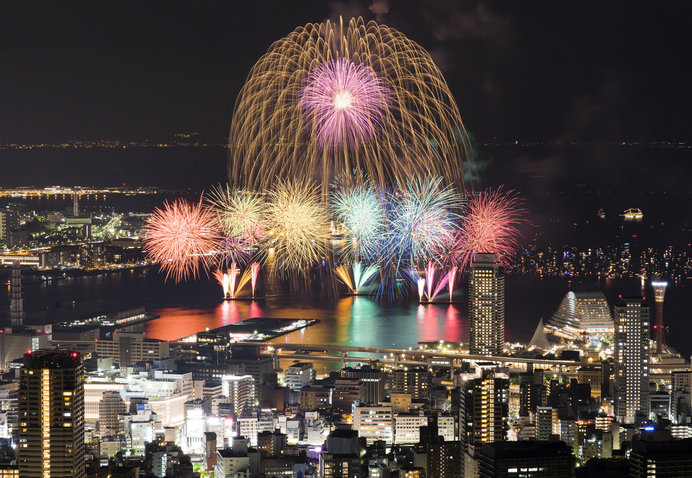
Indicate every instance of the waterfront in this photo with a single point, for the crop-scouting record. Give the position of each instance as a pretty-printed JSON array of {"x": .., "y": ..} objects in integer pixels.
[{"x": 185, "y": 309}]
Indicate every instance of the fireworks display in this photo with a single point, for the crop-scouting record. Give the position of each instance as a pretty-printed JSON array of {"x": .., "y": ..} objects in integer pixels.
[
  {"x": 181, "y": 237},
  {"x": 239, "y": 213},
  {"x": 332, "y": 98},
  {"x": 298, "y": 226},
  {"x": 491, "y": 224},
  {"x": 359, "y": 209},
  {"x": 354, "y": 126},
  {"x": 345, "y": 103}
]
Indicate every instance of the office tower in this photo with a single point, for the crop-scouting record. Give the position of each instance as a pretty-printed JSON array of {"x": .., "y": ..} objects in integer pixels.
[
  {"x": 526, "y": 458},
  {"x": 631, "y": 359},
  {"x": 657, "y": 456},
  {"x": 375, "y": 422},
  {"x": 51, "y": 415},
  {"x": 299, "y": 375},
  {"x": 240, "y": 391},
  {"x": 680, "y": 404},
  {"x": 439, "y": 458},
  {"x": 659, "y": 329},
  {"x": 415, "y": 382},
  {"x": 486, "y": 305},
  {"x": 372, "y": 382},
  {"x": 341, "y": 457},
  {"x": 111, "y": 407},
  {"x": 484, "y": 409},
  {"x": 16, "y": 297},
  {"x": 544, "y": 423}
]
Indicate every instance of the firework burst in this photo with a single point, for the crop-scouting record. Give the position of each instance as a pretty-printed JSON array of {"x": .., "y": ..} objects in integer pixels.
[
  {"x": 425, "y": 218},
  {"x": 491, "y": 224},
  {"x": 313, "y": 103},
  {"x": 239, "y": 213},
  {"x": 181, "y": 237},
  {"x": 345, "y": 103},
  {"x": 298, "y": 226},
  {"x": 359, "y": 210}
]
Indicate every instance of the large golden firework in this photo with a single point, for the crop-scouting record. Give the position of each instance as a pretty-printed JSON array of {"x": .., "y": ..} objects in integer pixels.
[{"x": 332, "y": 98}]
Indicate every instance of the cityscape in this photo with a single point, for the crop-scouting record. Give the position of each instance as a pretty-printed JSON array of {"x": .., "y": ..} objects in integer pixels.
[{"x": 391, "y": 265}]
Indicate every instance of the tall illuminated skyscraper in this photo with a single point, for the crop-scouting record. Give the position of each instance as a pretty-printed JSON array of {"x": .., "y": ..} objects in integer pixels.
[
  {"x": 486, "y": 305},
  {"x": 659, "y": 329},
  {"x": 51, "y": 415},
  {"x": 631, "y": 359},
  {"x": 484, "y": 408},
  {"x": 16, "y": 297}
]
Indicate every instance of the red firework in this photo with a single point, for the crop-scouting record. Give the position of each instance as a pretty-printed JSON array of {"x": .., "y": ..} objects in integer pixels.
[
  {"x": 182, "y": 237},
  {"x": 491, "y": 225}
]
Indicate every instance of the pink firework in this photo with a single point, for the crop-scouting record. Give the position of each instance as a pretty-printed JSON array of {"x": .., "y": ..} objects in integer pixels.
[
  {"x": 346, "y": 103},
  {"x": 182, "y": 237},
  {"x": 491, "y": 224},
  {"x": 234, "y": 249}
]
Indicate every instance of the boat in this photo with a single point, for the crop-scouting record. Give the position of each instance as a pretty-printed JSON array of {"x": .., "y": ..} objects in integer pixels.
[{"x": 633, "y": 213}]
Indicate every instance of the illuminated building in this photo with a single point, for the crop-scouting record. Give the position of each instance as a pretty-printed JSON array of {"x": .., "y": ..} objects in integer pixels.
[
  {"x": 484, "y": 409},
  {"x": 486, "y": 305},
  {"x": 582, "y": 315},
  {"x": 16, "y": 298},
  {"x": 371, "y": 380},
  {"x": 526, "y": 458},
  {"x": 128, "y": 348},
  {"x": 374, "y": 423},
  {"x": 659, "y": 329},
  {"x": 415, "y": 381},
  {"x": 240, "y": 391},
  {"x": 659, "y": 458},
  {"x": 299, "y": 375},
  {"x": 631, "y": 359},
  {"x": 51, "y": 415}
]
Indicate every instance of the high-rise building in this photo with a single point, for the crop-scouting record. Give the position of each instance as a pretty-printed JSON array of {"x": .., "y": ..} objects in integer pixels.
[
  {"x": 240, "y": 391},
  {"x": 659, "y": 329},
  {"x": 582, "y": 314},
  {"x": 526, "y": 458},
  {"x": 486, "y": 305},
  {"x": 51, "y": 415},
  {"x": 680, "y": 403},
  {"x": 484, "y": 409},
  {"x": 656, "y": 456},
  {"x": 372, "y": 382},
  {"x": 631, "y": 359},
  {"x": 415, "y": 381},
  {"x": 111, "y": 407},
  {"x": 16, "y": 297},
  {"x": 544, "y": 423},
  {"x": 374, "y": 423},
  {"x": 299, "y": 375}
]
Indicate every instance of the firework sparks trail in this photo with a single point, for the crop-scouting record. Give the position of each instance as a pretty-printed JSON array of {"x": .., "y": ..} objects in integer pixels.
[
  {"x": 224, "y": 280},
  {"x": 421, "y": 288},
  {"x": 181, "y": 237},
  {"x": 343, "y": 273},
  {"x": 313, "y": 103},
  {"x": 430, "y": 279},
  {"x": 451, "y": 275},
  {"x": 244, "y": 279},
  {"x": 362, "y": 277},
  {"x": 345, "y": 102},
  {"x": 233, "y": 274},
  {"x": 298, "y": 226},
  {"x": 254, "y": 271}
]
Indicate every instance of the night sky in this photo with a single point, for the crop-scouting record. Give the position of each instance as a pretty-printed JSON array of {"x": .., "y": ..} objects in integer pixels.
[{"x": 589, "y": 72}]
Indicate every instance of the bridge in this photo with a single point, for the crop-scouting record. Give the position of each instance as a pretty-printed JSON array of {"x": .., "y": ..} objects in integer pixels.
[{"x": 401, "y": 357}]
